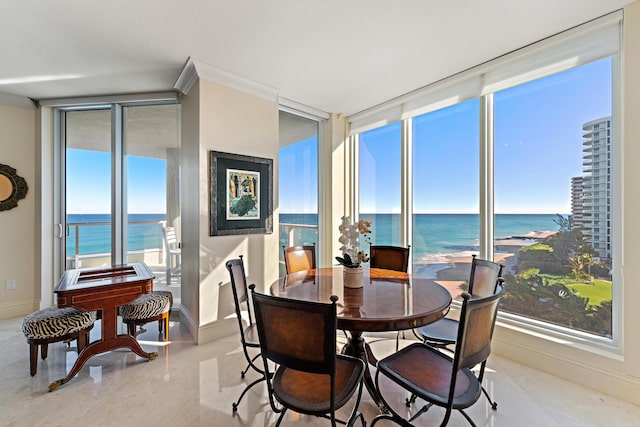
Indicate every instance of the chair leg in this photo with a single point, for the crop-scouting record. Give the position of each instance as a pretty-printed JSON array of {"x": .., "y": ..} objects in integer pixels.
[
  {"x": 160, "y": 326},
  {"x": 33, "y": 358},
  {"x": 246, "y": 389},
  {"x": 494, "y": 405},
  {"x": 251, "y": 364},
  {"x": 164, "y": 326},
  {"x": 131, "y": 328},
  {"x": 83, "y": 339},
  {"x": 44, "y": 350}
]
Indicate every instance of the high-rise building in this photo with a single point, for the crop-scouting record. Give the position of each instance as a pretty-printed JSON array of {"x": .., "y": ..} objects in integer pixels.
[
  {"x": 577, "y": 201},
  {"x": 591, "y": 193}
]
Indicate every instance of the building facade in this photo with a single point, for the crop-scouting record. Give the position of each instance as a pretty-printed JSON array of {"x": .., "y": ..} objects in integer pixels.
[{"x": 591, "y": 193}]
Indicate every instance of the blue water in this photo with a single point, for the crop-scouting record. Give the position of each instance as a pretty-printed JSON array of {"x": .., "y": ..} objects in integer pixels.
[
  {"x": 433, "y": 234},
  {"x": 95, "y": 238}
]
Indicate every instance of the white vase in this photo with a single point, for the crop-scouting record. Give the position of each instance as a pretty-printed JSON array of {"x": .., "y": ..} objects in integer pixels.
[{"x": 352, "y": 277}]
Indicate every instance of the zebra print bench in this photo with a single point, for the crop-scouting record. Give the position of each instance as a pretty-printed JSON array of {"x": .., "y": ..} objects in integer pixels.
[
  {"x": 55, "y": 324},
  {"x": 147, "y": 308}
]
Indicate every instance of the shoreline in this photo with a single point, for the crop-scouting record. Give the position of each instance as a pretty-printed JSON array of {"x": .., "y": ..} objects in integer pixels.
[{"x": 452, "y": 269}]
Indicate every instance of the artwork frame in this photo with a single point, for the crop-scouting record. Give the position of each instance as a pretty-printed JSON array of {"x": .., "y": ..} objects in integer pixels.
[
  {"x": 241, "y": 194},
  {"x": 13, "y": 187}
]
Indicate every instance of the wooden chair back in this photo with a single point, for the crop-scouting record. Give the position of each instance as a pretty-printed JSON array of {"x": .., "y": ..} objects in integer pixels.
[
  {"x": 484, "y": 276},
  {"x": 299, "y": 258},
  {"x": 477, "y": 321},
  {"x": 389, "y": 257},
  {"x": 297, "y": 334}
]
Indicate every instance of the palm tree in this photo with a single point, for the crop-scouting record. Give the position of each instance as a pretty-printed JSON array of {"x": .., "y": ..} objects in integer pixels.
[
  {"x": 588, "y": 262},
  {"x": 577, "y": 266}
]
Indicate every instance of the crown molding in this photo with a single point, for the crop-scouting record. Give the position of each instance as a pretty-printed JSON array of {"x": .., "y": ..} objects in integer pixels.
[
  {"x": 188, "y": 76},
  {"x": 294, "y": 107},
  {"x": 195, "y": 69},
  {"x": 16, "y": 101}
]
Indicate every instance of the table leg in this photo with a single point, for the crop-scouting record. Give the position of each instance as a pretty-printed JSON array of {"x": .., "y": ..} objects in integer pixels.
[
  {"x": 109, "y": 341},
  {"x": 356, "y": 346}
]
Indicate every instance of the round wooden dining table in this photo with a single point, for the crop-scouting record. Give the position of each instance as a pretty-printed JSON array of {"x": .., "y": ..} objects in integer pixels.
[{"x": 388, "y": 301}]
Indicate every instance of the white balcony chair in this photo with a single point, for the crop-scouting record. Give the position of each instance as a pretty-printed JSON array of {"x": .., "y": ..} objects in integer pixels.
[{"x": 172, "y": 252}]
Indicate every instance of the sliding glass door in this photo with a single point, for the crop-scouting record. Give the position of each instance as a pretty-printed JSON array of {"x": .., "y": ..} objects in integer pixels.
[
  {"x": 298, "y": 182},
  {"x": 88, "y": 188},
  {"x": 121, "y": 187}
]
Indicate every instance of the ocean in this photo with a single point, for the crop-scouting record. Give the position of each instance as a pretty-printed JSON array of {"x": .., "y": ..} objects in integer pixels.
[
  {"x": 434, "y": 235},
  {"x": 94, "y": 233}
]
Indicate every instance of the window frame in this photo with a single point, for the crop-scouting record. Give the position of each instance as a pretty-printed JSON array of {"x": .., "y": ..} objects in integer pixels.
[{"x": 437, "y": 96}]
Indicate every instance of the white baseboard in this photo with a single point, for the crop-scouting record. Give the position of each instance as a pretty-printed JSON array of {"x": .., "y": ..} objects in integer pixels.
[
  {"x": 18, "y": 308},
  {"x": 217, "y": 330}
]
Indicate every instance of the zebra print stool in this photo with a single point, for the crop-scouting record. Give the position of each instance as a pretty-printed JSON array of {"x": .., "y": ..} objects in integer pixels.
[
  {"x": 55, "y": 324},
  {"x": 147, "y": 308}
]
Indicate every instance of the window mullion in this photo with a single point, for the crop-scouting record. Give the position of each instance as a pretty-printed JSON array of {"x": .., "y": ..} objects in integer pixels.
[{"x": 486, "y": 177}]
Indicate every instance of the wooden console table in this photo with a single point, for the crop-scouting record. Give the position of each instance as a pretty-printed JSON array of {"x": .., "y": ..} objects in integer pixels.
[{"x": 104, "y": 290}]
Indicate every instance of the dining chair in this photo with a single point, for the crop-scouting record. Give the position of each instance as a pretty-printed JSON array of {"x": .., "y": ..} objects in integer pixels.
[
  {"x": 435, "y": 376},
  {"x": 483, "y": 281},
  {"x": 299, "y": 338},
  {"x": 249, "y": 333},
  {"x": 299, "y": 258},
  {"x": 390, "y": 258}
]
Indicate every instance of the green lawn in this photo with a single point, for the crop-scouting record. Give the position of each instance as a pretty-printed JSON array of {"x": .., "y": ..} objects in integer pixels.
[{"x": 597, "y": 292}]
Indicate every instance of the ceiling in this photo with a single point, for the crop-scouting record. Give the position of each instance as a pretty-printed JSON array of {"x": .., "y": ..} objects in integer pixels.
[{"x": 337, "y": 56}]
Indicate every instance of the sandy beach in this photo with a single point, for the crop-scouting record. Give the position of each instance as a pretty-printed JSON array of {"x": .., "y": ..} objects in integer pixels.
[{"x": 452, "y": 270}]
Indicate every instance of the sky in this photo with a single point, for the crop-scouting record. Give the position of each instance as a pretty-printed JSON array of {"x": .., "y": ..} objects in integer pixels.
[
  {"x": 89, "y": 183},
  {"x": 538, "y": 148}
]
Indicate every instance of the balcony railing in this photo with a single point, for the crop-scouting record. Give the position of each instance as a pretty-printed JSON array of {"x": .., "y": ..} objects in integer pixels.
[
  {"x": 92, "y": 241},
  {"x": 289, "y": 231}
]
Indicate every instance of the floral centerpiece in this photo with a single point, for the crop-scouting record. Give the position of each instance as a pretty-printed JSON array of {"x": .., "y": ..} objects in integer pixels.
[{"x": 352, "y": 256}]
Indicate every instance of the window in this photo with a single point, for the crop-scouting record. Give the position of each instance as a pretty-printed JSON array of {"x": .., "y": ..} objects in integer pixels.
[
  {"x": 122, "y": 188},
  {"x": 298, "y": 182},
  {"x": 538, "y": 162},
  {"x": 445, "y": 192},
  {"x": 557, "y": 270},
  {"x": 379, "y": 182}
]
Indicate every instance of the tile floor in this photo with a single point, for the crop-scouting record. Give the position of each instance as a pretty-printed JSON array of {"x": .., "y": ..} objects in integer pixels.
[{"x": 195, "y": 385}]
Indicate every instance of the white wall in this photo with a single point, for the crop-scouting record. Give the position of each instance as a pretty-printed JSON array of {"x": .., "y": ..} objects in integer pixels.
[
  {"x": 234, "y": 121},
  {"x": 17, "y": 259}
]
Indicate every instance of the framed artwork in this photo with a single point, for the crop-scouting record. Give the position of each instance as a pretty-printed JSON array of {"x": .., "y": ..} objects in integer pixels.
[{"x": 241, "y": 194}]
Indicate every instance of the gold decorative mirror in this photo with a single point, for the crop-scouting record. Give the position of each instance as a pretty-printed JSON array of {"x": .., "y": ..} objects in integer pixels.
[{"x": 12, "y": 188}]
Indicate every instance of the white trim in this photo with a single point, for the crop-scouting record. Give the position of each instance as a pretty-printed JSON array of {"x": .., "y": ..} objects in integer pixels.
[
  {"x": 216, "y": 330},
  {"x": 406, "y": 184},
  {"x": 16, "y": 101},
  {"x": 195, "y": 69},
  {"x": 298, "y": 109},
  {"x": 486, "y": 169},
  {"x": 187, "y": 78},
  {"x": 126, "y": 99}
]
